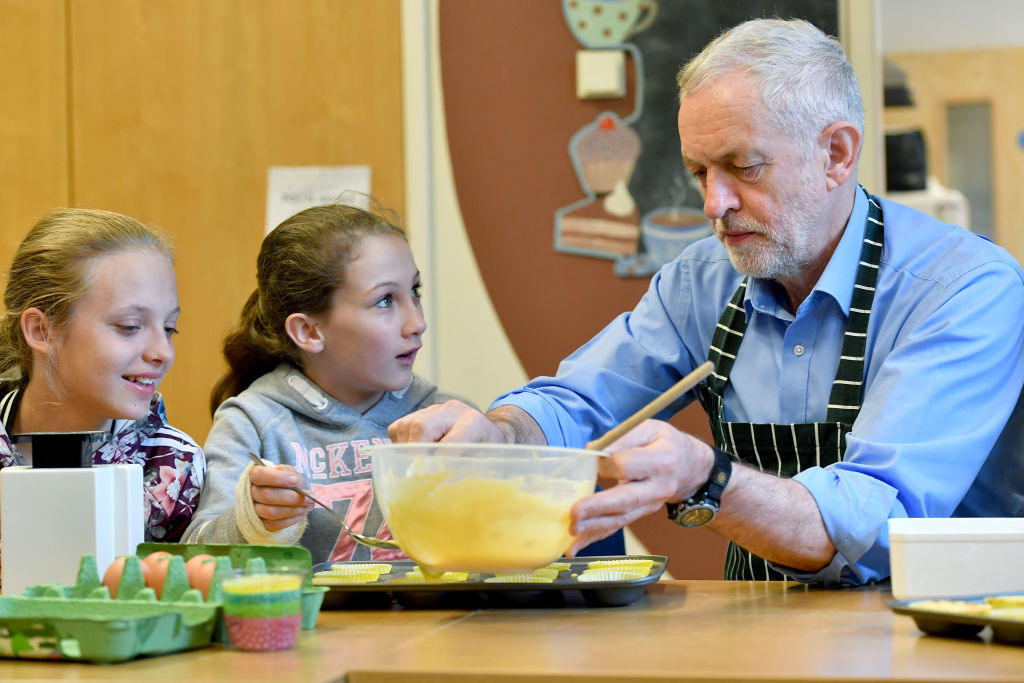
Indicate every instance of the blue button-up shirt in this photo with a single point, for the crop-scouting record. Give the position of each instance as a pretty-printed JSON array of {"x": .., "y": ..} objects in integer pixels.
[{"x": 943, "y": 371}]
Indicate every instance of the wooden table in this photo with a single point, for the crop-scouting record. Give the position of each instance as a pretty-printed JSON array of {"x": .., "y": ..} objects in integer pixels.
[{"x": 680, "y": 630}]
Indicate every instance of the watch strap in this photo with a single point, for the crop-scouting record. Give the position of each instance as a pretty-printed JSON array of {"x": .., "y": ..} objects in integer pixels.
[
  {"x": 709, "y": 496},
  {"x": 721, "y": 472}
]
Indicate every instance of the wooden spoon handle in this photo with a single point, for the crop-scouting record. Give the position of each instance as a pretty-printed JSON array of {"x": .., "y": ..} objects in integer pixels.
[{"x": 654, "y": 407}]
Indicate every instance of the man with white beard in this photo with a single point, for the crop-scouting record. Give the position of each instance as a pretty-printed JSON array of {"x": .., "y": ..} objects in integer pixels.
[{"x": 868, "y": 358}]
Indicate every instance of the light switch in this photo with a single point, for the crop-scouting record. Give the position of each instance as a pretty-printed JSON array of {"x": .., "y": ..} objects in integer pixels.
[{"x": 600, "y": 74}]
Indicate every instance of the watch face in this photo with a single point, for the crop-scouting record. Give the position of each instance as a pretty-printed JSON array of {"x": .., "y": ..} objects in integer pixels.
[{"x": 697, "y": 516}]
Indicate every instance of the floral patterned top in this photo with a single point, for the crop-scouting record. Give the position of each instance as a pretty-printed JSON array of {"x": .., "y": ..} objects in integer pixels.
[{"x": 173, "y": 465}]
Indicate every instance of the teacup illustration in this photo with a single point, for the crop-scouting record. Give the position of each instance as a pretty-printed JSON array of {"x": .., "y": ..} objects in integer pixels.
[
  {"x": 604, "y": 23},
  {"x": 667, "y": 231}
]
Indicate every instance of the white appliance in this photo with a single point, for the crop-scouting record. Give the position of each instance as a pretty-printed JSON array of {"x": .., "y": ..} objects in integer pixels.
[
  {"x": 49, "y": 518},
  {"x": 938, "y": 201}
]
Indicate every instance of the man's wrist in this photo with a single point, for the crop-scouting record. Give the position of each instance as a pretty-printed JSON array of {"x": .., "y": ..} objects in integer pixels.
[
  {"x": 702, "y": 481},
  {"x": 702, "y": 507},
  {"x": 516, "y": 425}
]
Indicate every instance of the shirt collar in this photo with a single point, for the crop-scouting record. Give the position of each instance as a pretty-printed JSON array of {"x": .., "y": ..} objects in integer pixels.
[{"x": 837, "y": 279}]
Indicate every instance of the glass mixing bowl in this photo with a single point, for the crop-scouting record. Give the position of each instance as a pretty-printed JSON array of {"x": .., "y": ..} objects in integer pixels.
[{"x": 481, "y": 507}]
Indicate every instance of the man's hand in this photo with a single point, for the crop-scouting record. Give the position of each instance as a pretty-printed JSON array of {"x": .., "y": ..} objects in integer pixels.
[
  {"x": 455, "y": 422},
  {"x": 276, "y": 504},
  {"x": 450, "y": 421},
  {"x": 653, "y": 464},
  {"x": 773, "y": 517}
]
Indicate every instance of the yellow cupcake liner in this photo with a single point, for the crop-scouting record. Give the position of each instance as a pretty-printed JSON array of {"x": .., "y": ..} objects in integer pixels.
[
  {"x": 416, "y": 576},
  {"x": 519, "y": 578},
  {"x": 558, "y": 566},
  {"x": 611, "y": 575},
  {"x": 963, "y": 607},
  {"x": 378, "y": 567},
  {"x": 631, "y": 571},
  {"x": 359, "y": 572},
  {"x": 1005, "y": 600},
  {"x": 622, "y": 564},
  {"x": 341, "y": 579},
  {"x": 1008, "y": 613}
]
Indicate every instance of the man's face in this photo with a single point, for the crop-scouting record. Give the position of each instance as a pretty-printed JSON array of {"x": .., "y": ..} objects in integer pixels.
[{"x": 764, "y": 194}]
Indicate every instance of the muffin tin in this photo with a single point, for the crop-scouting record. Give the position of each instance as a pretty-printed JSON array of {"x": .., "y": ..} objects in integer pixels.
[
  {"x": 961, "y": 625},
  {"x": 565, "y": 589}
]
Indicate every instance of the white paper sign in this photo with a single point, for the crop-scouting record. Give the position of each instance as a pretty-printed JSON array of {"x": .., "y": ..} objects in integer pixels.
[{"x": 291, "y": 189}]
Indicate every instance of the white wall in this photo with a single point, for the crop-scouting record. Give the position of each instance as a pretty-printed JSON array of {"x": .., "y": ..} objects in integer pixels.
[
  {"x": 467, "y": 350},
  {"x": 933, "y": 25}
]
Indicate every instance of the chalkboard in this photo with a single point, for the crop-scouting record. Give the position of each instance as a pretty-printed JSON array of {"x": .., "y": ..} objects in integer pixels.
[{"x": 681, "y": 30}]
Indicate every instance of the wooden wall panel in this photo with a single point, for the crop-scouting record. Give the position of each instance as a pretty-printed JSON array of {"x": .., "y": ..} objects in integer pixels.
[
  {"x": 33, "y": 117},
  {"x": 940, "y": 79},
  {"x": 179, "y": 107}
]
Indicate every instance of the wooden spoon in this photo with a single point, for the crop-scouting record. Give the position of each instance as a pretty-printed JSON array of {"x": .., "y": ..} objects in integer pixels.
[{"x": 654, "y": 407}]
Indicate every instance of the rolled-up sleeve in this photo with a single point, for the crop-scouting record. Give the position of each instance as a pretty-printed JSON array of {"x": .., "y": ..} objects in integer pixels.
[{"x": 931, "y": 414}]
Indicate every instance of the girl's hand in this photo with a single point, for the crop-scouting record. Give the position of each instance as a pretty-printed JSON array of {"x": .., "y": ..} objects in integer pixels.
[{"x": 276, "y": 504}]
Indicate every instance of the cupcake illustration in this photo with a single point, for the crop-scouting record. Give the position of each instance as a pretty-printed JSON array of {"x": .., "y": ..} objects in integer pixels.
[
  {"x": 604, "y": 153},
  {"x": 605, "y": 223}
]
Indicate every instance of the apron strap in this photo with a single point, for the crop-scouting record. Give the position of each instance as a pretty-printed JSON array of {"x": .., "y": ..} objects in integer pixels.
[
  {"x": 844, "y": 401},
  {"x": 725, "y": 343},
  {"x": 788, "y": 449},
  {"x": 845, "y": 397}
]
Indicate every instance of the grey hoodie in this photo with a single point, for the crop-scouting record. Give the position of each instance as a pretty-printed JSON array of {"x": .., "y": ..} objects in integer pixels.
[{"x": 285, "y": 418}]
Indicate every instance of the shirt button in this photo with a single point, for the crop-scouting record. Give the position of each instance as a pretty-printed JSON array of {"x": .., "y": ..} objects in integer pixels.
[{"x": 798, "y": 350}]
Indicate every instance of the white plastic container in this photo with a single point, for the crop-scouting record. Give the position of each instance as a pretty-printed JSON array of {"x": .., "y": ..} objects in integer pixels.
[
  {"x": 49, "y": 518},
  {"x": 946, "y": 557}
]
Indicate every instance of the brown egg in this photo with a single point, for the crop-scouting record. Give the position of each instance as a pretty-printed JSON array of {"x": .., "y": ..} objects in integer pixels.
[
  {"x": 200, "y": 571},
  {"x": 152, "y": 558},
  {"x": 158, "y": 564},
  {"x": 112, "y": 577}
]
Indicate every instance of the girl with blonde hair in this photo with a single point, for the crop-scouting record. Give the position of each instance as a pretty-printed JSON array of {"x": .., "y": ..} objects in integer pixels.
[{"x": 91, "y": 307}]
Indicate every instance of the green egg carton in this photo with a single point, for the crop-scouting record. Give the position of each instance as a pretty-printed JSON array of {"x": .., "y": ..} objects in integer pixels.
[
  {"x": 83, "y": 623},
  {"x": 250, "y": 557}
]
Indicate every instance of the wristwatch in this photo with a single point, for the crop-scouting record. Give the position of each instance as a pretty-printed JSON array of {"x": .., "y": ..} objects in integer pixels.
[{"x": 703, "y": 506}]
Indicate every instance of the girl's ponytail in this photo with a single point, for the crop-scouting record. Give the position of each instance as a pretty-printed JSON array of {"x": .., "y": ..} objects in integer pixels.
[{"x": 245, "y": 352}]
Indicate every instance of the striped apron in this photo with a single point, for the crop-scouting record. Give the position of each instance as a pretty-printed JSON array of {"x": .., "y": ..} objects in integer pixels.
[{"x": 785, "y": 449}]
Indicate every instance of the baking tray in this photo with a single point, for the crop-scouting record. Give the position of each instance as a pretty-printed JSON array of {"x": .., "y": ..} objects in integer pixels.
[
  {"x": 475, "y": 591},
  {"x": 952, "y": 625}
]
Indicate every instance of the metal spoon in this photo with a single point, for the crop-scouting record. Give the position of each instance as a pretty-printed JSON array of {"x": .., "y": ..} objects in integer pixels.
[{"x": 371, "y": 541}]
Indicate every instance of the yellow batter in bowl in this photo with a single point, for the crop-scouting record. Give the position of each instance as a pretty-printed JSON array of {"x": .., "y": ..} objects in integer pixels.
[{"x": 487, "y": 508}]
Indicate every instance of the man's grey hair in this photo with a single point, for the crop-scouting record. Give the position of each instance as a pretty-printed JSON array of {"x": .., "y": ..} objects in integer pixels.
[{"x": 805, "y": 79}]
